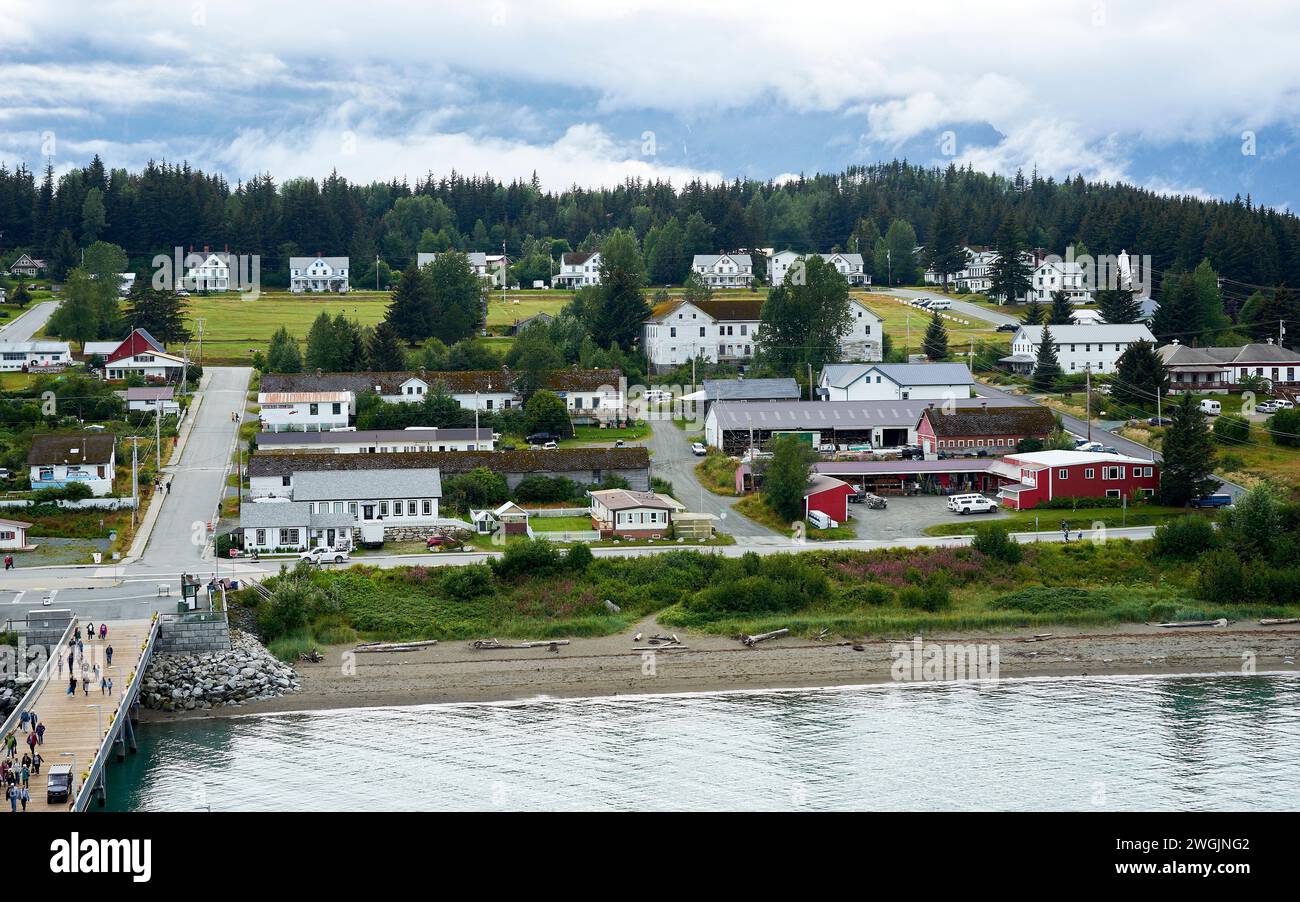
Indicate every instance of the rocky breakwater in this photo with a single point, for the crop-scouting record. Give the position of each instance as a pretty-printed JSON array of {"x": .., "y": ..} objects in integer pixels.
[
  {"x": 218, "y": 679},
  {"x": 12, "y": 689}
]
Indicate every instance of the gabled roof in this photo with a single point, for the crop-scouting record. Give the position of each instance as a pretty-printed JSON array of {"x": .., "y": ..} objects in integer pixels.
[
  {"x": 304, "y": 397},
  {"x": 577, "y": 258},
  {"x": 138, "y": 342},
  {"x": 334, "y": 263},
  {"x": 361, "y": 485},
  {"x": 560, "y": 460},
  {"x": 1176, "y": 354},
  {"x": 720, "y": 310},
  {"x": 288, "y": 515},
  {"x": 35, "y": 347},
  {"x": 711, "y": 260},
  {"x": 1072, "y": 458},
  {"x": 624, "y": 499},
  {"x": 823, "y": 415},
  {"x": 70, "y": 448},
  {"x": 841, "y": 375},
  {"x": 964, "y": 421},
  {"x": 751, "y": 389},
  {"x": 1104, "y": 333},
  {"x": 820, "y": 482},
  {"x": 270, "y": 440},
  {"x": 151, "y": 393}
]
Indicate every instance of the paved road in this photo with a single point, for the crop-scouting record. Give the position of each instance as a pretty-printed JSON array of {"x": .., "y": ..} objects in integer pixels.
[
  {"x": 966, "y": 308},
  {"x": 671, "y": 459},
  {"x": 28, "y": 324},
  {"x": 198, "y": 480}
]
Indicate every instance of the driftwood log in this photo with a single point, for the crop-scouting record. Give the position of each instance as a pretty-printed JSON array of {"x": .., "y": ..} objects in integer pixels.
[
  {"x": 1221, "y": 622},
  {"x": 494, "y": 643},
  {"x": 376, "y": 647},
  {"x": 1278, "y": 621},
  {"x": 751, "y": 641}
]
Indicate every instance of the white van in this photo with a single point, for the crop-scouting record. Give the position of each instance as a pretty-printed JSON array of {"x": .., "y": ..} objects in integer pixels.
[
  {"x": 820, "y": 521},
  {"x": 939, "y": 304},
  {"x": 956, "y": 501},
  {"x": 1213, "y": 408}
]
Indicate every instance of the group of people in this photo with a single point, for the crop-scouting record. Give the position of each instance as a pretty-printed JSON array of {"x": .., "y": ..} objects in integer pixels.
[
  {"x": 77, "y": 656},
  {"x": 15, "y": 774}
]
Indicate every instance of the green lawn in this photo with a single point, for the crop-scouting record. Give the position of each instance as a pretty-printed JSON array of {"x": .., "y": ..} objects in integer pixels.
[
  {"x": 1049, "y": 520},
  {"x": 896, "y": 315},
  {"x": 560, "y": 524},
  {"x": 233, "y": 328},
  {"x": 588, "y": 434}
]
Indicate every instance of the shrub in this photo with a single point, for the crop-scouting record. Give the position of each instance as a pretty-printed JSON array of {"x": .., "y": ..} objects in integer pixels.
[
  {"x": 545, "y": 489},
  {"x": 1053, "y": 600},
  {"x": 284, "y": 612},
  {"x": 535, "y": 557},
  {"x": 464, "y": 583},
  {"x": 1184, "y": 539},
  {"x": 1284, "y": 427},
  {"x": 873, "y": 594},
  {"x": 994, "y": 540},
  {"x": 933, "y": 596},
  {"x": 1231, "y": 429},
  {"x": 912, "y": 597},
  {"x": 579, "y": 558},
  {"x": 1162, "y": 611},
  {"x": 1219, "y": 576}
]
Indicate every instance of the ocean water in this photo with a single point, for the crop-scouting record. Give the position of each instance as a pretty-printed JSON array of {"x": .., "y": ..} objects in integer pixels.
[{"x": 1117, "y": 743}]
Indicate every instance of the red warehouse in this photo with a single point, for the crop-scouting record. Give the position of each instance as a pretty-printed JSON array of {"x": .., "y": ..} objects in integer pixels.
[
  {"x": 1043, "y": 475},
  {"x": 955, "y": 430},
  {"x": 828, "y": 495}
]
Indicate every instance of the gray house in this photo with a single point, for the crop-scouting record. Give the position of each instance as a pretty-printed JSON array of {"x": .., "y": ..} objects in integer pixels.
[{"x": 269, "y": 526}]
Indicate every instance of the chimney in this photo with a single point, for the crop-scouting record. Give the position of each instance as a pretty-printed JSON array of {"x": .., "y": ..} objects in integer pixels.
[
  {"x": 318, "y": 253},
  {"x": 205, "y": 248}
]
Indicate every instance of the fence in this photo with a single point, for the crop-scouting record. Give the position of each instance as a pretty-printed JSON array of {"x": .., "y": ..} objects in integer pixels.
[
  {"x": 110, "y": 504},
  {"x": 589, "y": 535},
  {"x": 559, "y": 512}
]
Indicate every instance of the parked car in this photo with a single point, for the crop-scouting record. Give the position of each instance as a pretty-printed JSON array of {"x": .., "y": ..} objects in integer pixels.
[
  {"x": 319, "y": 555},
  {"x": 1217, "y": 500},
  {"x": 1086, "y": 445},
  {"x": 5, "y": 474},
  {"x": 541, "y": 438},
  {"x": 1266, "y": 407},
  {"x": 939, "y": 304},
  {"x": 550, "y": 446},
  {"x": 1283, "y": 404},
  {"x": 699, "y": 449},
  {"x": 58, "y": 785},
  {"x": 977, "y": 505},
  {"x": 437, "y": 543},
  {"x": 1159, "y": 421},
  {"x": 955, "y": 501},
  {"x": 1008, "y": 327}
]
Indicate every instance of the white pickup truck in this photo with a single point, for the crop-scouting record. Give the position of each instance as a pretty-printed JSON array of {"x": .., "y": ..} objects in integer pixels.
[{"x": 320, "y": 555}]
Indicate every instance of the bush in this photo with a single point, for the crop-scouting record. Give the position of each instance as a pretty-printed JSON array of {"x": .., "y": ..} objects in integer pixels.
[
  {"x": 867, "y": 594},
  {"x": 1284, "y": 427},
  {"x": 535, "y": 557},
  {"x": 283, "y": 613},
  {"x": 464, "y": 583},
  {"x": 1219, "y": 577},
  {"x": 579, "y": 558},
  {"x": 994, "y": 540},
  {"x": 933, "y": 596},
  {"x": 1053, "y": 600},
  {"x": 546, "y": 489},
  {"x": 1231, "y": 429},
  {"x": 1184, "y": 539}
]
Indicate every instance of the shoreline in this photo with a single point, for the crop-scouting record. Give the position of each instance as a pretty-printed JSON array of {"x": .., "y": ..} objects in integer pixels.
[{"x": 608, "y": 666}]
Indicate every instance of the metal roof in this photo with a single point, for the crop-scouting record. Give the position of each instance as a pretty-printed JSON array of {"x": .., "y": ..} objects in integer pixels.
[
  {"x": 797, "y": 415},
  {"x": 289, "y": 514},
  {"x": 1102, "y": 332},
  {"x": 750, "y": 389},
  {"x": 361, "y": 485},
  {"x": 416, "y": 436}
]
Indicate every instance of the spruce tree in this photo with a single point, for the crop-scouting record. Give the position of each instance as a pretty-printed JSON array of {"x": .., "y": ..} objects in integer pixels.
[
  {"x": 1118, "y": 305},
  {"x": 1188, "y": 450},
  {"x": 160, "y": 313},
  {"x": 1047, "y": 368},
  {"x": 322, "y": 345},
  {"x": 386, "y": 352},
  {"x": 622, "y": 308},
  {"x": 410, "y": 312},
  {"x": 943, "y": 250},
  {"x": 935, "y": 344},
  {"x": 1010, "y": 275},
  {"x": 1140, "y": 376},
  {"x": 1035, "y": 314},
  {"x": 283, "y": 354},
  {"x": 1062, "y": 311}
]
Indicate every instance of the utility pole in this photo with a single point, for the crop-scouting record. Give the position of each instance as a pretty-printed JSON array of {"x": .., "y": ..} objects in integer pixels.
[
  {"x": 185, "y": 370},
  {"x": 377, "y": 271},
  {"x": 200, "y": 321},
  {"x": 157, "y": 435},
  {"x": 810, "y": 382},
  {"x": 889, "y": 266},
  {"x": 135, "y": 481},
  {"x": 1087, "y": 393}
]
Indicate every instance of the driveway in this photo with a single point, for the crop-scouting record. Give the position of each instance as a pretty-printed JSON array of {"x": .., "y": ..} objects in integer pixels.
[
  {"x": 966, "y": 308},
  {"x": 906, "y": 518},
  {"x": 25, "y": 325},
  {"x": 671, "y": 459},
  {"x": 199, "y": 480}
]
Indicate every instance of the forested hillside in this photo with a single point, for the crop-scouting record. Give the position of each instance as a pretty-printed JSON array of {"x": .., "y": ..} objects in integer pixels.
[{"x": 167, "y": 205}]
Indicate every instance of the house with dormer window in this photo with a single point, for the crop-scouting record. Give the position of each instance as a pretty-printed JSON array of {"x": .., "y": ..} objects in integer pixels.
[
  {"x": 578, "y": 269},
  {"x": 724, "y": 270},
  {"x": 25, "y": 265},
  {"x": 317, "y": 274},
  {"x": 209, "y": 271},
  {"x": 850, "y": 266}
]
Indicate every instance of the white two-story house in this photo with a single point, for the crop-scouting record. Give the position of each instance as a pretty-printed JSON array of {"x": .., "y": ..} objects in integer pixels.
[
  {"x": 34, "y": 356},
  {"x": 209, "y": 271},
  {"x": 310, "y": 411},
  {"x": 724, "y": 270},
  {"x": 1054, "y": 275},
  {"x": 850, "y": 266},
  {"x": 578, "y": 269},
  {"x": 895, "y": 382},
  {"x": 318, "y": 273},
  {"x": 1078, "y": 348}
]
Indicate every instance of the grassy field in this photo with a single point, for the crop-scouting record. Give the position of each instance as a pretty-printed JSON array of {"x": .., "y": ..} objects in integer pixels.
[
  {"x": 1049, "y": 520},
  {"x": 753, "y": 507},
  {"x": 896, "y": 315},
  {"x": 717, "y": 473},
  {"x": 560, "y": 524},
  {"x": 234, "y": 328}
]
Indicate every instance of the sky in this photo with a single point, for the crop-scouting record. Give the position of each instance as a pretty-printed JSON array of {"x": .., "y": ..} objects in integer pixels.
[{"x": 1193, "y": 97}]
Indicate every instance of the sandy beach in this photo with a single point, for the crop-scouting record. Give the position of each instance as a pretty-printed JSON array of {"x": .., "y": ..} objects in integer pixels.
[{"x": 609, "y": 666}]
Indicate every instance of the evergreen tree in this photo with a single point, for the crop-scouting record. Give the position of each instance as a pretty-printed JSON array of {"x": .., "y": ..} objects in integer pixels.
[
  {"x": 410, "y": 313},
  {"x": 1010, "y": 274},
  {"x": 545, "y": 411},
  {"x": 944, "y": 253},
  {"x": 786, "y": 475},
  {"x": 1188, "y": 449},
  {"x": 20, "y": 296},
  {"x": 77, "y": 317},
  {"x": 1047, "y": 368},
  {"x": 668, "y": 262},
  {"x": 283, "y": 354},
  {"x": 386, "y": 352},
  {"x": 1280, "y": 307},
  {"x": 65, "y": 256},
  {"x": 935, "y": 345},
  {"x": 696, "y": 290},
  {"x": 322, "y": 348},
  {"x": 895, "y": 256},
  {"x": 1061, "y": 312},
  {"x": 803, "y": 324},
  {"x": 1035, "y": 314},
  {"x": 160, "y": 313},
  {"x": 1118, "y": 305},
  {"x": 1140, "y": 377},
  {"x": 93, "y": 217},
  {"x": 532, "y": 358},
  {"x": 351, "y": 345},
  {"x": 455, "y": 297},
  {"x": 622, "y": 307}
]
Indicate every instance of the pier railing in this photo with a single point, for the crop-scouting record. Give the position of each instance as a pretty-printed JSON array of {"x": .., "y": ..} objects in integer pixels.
[
  {"x": 39, "y": 681},
  {"x": 118, "y": 720}
]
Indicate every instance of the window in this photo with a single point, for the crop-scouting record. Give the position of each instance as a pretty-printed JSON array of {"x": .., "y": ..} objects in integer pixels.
[
  {"x": 1062, "y": 474},
  {"x": 288, "y": 537},
  {"x": 338, "y": 507},
  {"x": 336, "y": 409},
  {"x": 1089, "y": 473},
  {"x": 1112, "y": 493},
  {"x": 410, "y": 508},
  {"x": 397, "y": 508},
  {"x": 286, "y": 480},
  {"x": 261, "y": 537},
  {"x": 314, "y": 409},
  {"x": 426, "y": 507},
  {"x": 352, "y": 508}
]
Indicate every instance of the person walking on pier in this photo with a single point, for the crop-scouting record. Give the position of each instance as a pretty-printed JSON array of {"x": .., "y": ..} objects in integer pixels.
[
  {"x": 85, "y": 684},
  {"x": 108, "y": 655},
  {"x": 22, "y": 721},
  {"x": 72, "y": 684},
  {"x": 24, "y": 797},
  {"x": 90, "y": 631},
  {"x": 11, "y": 793},
  {"x": 31, "y": 740},
  {"x": 26, "y": 774},
  {"x": 103, "y": 686},
  {"x": 36, "y": 762},
  {"x": 110, "y": 685},
  {"x": 12, "y": 742},
  {"x": 40, "y": 734}
]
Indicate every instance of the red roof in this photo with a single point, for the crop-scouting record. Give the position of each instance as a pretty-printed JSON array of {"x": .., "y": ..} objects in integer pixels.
[{"x": 138, "y": 342}]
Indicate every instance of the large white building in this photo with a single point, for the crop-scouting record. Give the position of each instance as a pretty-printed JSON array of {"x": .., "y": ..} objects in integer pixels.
[
  {"x": 850, "y": 266},
  {"x": 24, "y": 356},
  {"x": 726, "y": 330},
  {"x": 577, "y": 270},
  {"x": 310, "y": 411},
  {"x": 211, "y": 273},
  {"x": 318, "y": 274},
  {"x": 377, "y": 441},
  {"x": 1078, "y": 348},
  {"x": 895, "y": 382},
  {"x": 724, "y": 270},
  {"x": 1052, "y": 276}
]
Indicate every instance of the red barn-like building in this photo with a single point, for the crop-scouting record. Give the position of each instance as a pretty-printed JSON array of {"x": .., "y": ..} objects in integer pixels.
[
  {"x": 996, "y": 429},
  {"x": 1044, "y": 475},
  {"x": 828, "y": 495}
]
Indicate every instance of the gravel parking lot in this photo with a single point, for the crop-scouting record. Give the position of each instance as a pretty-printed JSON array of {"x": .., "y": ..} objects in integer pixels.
[{"x": 908, "y": 516}]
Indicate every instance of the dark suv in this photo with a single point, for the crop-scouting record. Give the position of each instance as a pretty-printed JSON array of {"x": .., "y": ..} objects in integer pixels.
[{"x": 541, "y": 438}]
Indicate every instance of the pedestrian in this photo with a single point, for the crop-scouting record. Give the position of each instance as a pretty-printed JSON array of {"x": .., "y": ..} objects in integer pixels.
[
  {"x": 26, "y": 773},
  {"x": 25, "y": 797},
  {"x": 27, "y": 760},
  {"x": 72, "y": 684},
  {"x": 36, "y": 762},
  {"x": 13, "y": 745},
  {"x": 110, "y": 685},
  {"x": 32, "y": 739},
  {"x": 22, "y": 721},
  {"x": 11, "y": 794},
  {"x": 103, "y": 686},
  {"x": 85, "y": 685},
  {"x": 40, "y": 733},
  {"x": 60, "y": 666},
  {"x": 70, "y": 659},
  {"x": 103, "y": 631},
  {"x": 1065, "y": 529},
  {"x": 81, "y": 649},
  {"x": 90, "y": 631},
  {"x": 108, "y": 654},
  {"x": 76, "y": 635}
]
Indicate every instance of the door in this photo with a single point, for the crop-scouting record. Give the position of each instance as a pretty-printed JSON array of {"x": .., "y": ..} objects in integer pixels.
[
  {"x": 329, "y": 538},
  {"x": 367, "y": 512}
]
